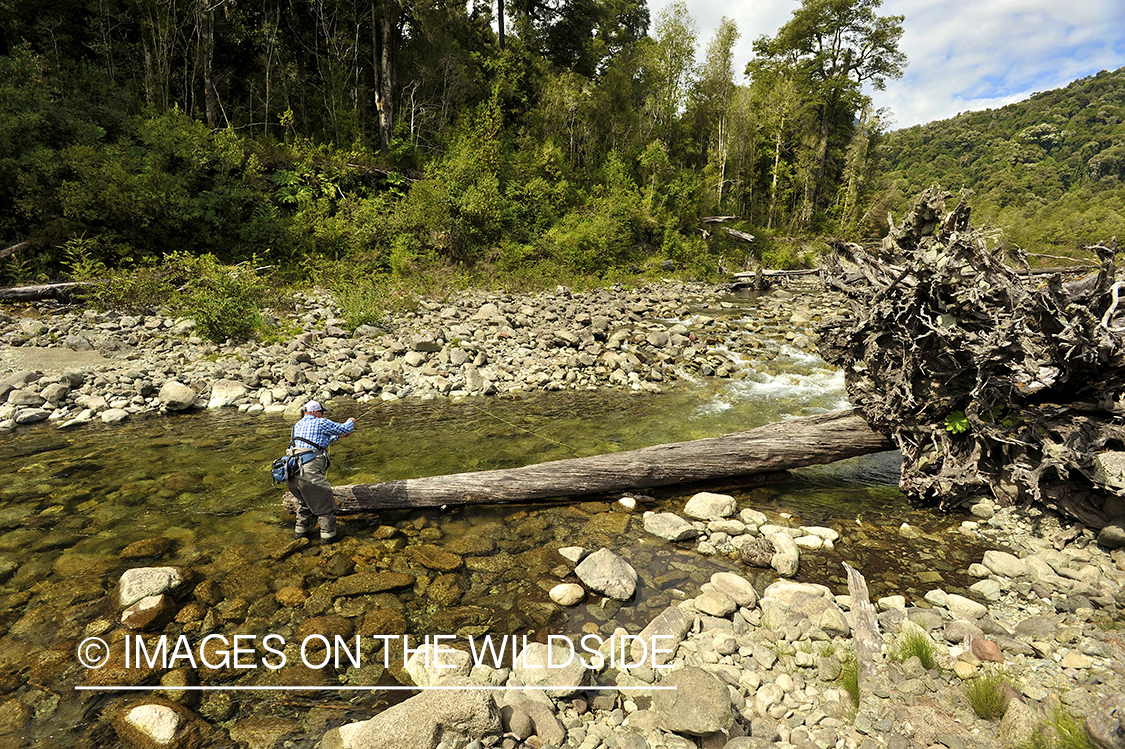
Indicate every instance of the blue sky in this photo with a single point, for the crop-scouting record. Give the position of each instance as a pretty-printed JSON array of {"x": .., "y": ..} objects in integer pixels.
[{"x": 965, "y": 55}]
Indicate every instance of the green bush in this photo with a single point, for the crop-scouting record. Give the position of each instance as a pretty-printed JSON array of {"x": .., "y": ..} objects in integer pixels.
[
  {"x": 361, "y": 300},
  {"x": 223, "y": 300}
]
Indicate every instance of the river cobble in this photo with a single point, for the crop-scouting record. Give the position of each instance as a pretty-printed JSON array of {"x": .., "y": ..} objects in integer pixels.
[{"x": 77, "y": 366}]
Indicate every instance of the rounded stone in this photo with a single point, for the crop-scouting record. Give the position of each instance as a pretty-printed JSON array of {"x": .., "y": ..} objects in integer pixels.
[{"x": 567, "y": 594}]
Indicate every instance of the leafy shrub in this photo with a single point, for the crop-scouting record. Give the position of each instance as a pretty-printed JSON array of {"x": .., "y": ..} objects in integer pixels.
[
  {"x": 361, "y": 301},
  {"x": 133, "y": 290},
  {"x": 223, "y": 300}
]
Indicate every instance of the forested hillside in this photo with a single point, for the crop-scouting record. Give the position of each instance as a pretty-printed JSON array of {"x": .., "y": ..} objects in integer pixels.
[
  {"x": 1049, "y": 171},
  {"x": 565, "y": 137}
]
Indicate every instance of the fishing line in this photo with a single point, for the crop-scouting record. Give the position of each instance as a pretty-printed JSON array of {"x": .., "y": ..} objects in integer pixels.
[
  {"x": 517, "y": 426},
  {"x": 493, "y": 416}
]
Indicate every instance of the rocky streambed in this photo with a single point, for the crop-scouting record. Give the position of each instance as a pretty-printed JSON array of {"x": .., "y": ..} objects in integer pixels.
[
  {"x": 740, "y": 657},
  {"x": 82, "y": 365}
]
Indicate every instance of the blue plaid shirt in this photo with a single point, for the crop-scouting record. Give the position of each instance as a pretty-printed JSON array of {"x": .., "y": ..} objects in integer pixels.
[{"x": 321, "y": 431}]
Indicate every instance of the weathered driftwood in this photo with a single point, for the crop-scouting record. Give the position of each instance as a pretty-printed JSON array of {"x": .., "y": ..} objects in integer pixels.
[
  {"x": 865, "y": 628},
  {"x": 38, "y": 293},
  {"x": 768, "y": 273},
  {"x": 989, "y": 380},
  {"x": 810, "y": 440},
  {"x": 744, "y": 236},
  {"x": 22, "y": 247}
]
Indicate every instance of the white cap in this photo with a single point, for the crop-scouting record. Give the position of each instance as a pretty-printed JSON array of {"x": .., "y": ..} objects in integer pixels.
[{"x": 312, "y": 406}]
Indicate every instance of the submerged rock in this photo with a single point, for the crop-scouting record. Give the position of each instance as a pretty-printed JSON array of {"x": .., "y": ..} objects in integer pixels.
[
  {"x": 452, "y": 718},
  {"x": 142, "y": 582},
  {"x": 567, "y": 594},
  {"x": 606, "y": 573}
]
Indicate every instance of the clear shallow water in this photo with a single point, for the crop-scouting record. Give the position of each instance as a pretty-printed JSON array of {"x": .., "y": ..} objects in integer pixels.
[{"x": 196, "y": 489}]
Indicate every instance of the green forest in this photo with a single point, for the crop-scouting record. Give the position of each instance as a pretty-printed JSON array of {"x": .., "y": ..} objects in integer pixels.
[
  {"x": 380, "y": 144},
  {"x": 1047, "y": 173}
]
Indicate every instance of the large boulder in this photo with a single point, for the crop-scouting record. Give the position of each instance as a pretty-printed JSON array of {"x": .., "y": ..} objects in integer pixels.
[
  {"x": 1004, "y": 564},
  {"x": 608, "y": 574},
  {"x": 699, "y": 705},
  {"x": 669, "y": 526},
  {"x": 1113, "y": 535},
  {"x": 431, "y": 663},
  {"x": 708, "y": 505},
  {"x": 1104, "y": 723},
  {"x": 176, "y": 396},
  {"x": 657, "y": 643},
  {"x": 225, "y": 393},
  {"x": 452, "y": 718},
  {"x": 557, "y": 667},
  {"x": 738, "y": 588}
]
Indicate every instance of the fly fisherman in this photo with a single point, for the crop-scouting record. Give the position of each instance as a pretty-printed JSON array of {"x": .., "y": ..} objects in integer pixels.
[{"x": 311, "y": 437}]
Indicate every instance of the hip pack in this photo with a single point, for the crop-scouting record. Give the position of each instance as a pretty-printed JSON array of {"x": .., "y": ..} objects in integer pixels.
[{"x": 290, "y": 464}]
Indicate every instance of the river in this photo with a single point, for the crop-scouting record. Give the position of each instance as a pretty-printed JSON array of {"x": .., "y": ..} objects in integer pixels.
[{"x": 78, "y": 508}]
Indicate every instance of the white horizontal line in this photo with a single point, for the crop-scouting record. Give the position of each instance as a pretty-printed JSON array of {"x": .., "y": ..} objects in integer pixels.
[{"x": 450, "y": 688}]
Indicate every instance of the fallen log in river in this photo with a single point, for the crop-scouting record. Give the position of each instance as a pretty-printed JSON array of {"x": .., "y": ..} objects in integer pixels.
[{"x": 805, "y": 441}]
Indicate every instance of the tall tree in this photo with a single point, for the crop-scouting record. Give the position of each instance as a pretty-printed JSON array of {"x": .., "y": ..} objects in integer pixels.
[
  {"x": 714, "y": 94},
  {"x": 670, "y": 66},
  {"x": 835, "y": 47},
  {"x": 386, "y": 37}
]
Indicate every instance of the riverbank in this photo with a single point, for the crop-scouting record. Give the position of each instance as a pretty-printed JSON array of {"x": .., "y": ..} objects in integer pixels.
[{"x": 83, "y": 365}]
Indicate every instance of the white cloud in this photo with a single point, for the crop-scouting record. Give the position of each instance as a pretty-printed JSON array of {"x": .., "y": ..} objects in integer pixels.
[{"x": 963, "y": 54}]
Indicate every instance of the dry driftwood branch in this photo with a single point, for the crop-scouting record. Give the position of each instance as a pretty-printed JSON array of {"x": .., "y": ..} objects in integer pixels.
[
  {"x": 989, "y": 380},
  {"x": 21, "y": 247},
  {"x": 810, "y": 440},
  {"x": 739, "y": 234},
  {"x": 776, "y": 273},
  {"x": 868, "y": 642},
  {"x": 38, "y": 293}
]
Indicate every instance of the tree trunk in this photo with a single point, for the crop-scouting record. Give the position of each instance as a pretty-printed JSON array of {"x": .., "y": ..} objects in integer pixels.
[
  {"x": 385, "y": 32},
  {"x": 207, "y": 41},
  {"x": 811, "y": 440},
  {"x": 773, "y": 182},
  {"x": 500, "y": 20},
  {"x": 38, "y": 293}
]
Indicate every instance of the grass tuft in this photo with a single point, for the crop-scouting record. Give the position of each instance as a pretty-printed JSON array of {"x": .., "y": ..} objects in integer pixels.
[
  {"x": 914, "y": 642},
  {"x": 1061, "y": 731},
  {"x": 987, "y": 695},
  {"x": 849, "y": 678}
]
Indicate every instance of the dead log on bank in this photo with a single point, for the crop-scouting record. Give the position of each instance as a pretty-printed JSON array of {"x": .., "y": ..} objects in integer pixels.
[
  {"x": 811, "y": 440},
  {"x": 990, "y": 381},
  {"x": 61, "y": 291}
]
